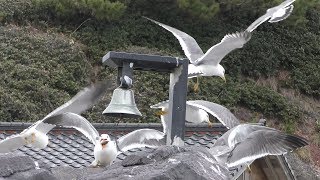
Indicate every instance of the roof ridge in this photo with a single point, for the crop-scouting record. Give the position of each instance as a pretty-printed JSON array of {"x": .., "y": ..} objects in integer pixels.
[{"x": 217, "y": 127}]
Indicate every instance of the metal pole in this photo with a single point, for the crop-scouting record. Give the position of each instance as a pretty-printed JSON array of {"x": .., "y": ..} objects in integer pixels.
[{"x": 177, "y": 104}]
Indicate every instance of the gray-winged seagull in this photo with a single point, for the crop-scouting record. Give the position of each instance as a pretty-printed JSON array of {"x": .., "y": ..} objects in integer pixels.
[
  {"x": 35, "y": 135},
  {"x": 106, "y": 150},
  {"x": 207, "y": 64},
  {"x": 275, "y": 14},
  {"x": 246, "y": 142},
  {"x": 242, "y": 143}
]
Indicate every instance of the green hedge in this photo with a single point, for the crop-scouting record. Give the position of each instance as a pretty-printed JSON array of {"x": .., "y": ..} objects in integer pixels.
[
  {"x": 67, "y": 10},
  {"x": 274, "y": 48},
  {"x": 38, "y": 72}
]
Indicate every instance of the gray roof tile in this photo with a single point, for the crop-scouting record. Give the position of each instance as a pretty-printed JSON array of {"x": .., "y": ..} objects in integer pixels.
[{"x": 70, "y": 148}]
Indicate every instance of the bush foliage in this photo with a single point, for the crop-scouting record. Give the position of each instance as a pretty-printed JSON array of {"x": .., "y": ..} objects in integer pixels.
[
  {"x": 38, "y": 72},
  {"x": 99, "y": 9},
  {"x": 51, "y": 64}
]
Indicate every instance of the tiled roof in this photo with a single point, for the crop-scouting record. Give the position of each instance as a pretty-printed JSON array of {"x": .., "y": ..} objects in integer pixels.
[{"x": 68, "y": 147}]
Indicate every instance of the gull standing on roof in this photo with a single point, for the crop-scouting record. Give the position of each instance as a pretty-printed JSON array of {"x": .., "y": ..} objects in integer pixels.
[
  {"x": 206, "y": 64},
  {"x": 275, "y": 14},
  {"x": 197, "y": 112},
  {"x": 36, "y": 134},
  {"x": 105, "y": 149}
]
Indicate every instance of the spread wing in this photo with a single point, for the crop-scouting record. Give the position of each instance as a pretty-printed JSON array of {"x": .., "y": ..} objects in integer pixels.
[
  {"x": 258, "y": 22},
  {"x": 229, "y": 43},
  {"x": 270, "y": 12},
  {"x": 238, "y": 134},
  {"x": 189, "y": 44},
  {"x": 223, "y": 114},
  {"x": 141, "y": 138},
  {"x": 262, "y": 143},
  {"x": 82, "y": 101},
  {"x": 72, "y": 120},
  {"x": 11, "y": 143}
]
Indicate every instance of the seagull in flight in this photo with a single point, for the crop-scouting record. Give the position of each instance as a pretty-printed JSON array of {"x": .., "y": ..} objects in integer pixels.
[
  {"x": 207, "y": 64},
  {"x": 275, "y": 14},
  {"x": 36, "y": 134},
  {"x": 246, "y": 142},
  {"x": 105, "y": 149},
  {"x": 242, "y": 143}
]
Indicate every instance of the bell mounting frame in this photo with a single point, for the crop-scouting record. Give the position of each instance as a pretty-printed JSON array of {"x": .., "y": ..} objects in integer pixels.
[{"x": 178, "y": 69}]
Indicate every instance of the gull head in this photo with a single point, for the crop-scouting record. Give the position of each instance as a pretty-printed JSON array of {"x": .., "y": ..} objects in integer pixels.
[
  {"x": 36, "y": 139},
  {"x": 220, "y": 72},
  {"x": 204, "y": 116},
  {"x": 104, "y": 140}
]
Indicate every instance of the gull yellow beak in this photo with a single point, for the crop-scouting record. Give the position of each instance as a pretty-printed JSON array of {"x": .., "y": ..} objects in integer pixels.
[
  {"x": 224, "y": 79},
  {"x": 104, "y": 143}
]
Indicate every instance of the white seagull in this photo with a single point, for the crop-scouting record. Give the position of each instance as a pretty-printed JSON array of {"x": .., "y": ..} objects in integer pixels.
[
  {"x": 197, "y": 112},
  {"x": 35, "y": 135},
  {"x": 207, "y": 64},
  {"x": 106, "y": 150},
  {"x": 244, "y": 143},
  {"x": 275, "y": 14}
]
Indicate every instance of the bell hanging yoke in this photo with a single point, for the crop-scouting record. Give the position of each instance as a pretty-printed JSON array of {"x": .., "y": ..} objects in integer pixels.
[{"x": 178, "y": 69}]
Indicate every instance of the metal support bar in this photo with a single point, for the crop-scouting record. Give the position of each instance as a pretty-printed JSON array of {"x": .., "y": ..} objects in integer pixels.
[
  {"x": 119, "y": 75},
  {"x": 177, "y": 104},
  {"x": 125, "y": 70}
]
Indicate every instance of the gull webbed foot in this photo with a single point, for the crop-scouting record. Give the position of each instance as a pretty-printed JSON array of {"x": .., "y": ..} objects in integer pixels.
[
  {"x": 94, "y": 164},
  {"x": 249, "y": 168},
  {"x": 33, "y": 137},
  {"x": 196, "y": 88},
  {"x": 161, "y": 113}
]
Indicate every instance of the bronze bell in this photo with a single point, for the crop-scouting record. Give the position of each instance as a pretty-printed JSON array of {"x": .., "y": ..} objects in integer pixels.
[{"x": 122, "y": 104}]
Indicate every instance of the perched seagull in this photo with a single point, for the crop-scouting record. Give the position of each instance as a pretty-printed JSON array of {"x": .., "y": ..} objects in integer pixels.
[
  {"x": 246, "y": 142},
  {"x": 207, "y": 64},
  {"x": 223, "y": 114},
  {"x": 193, "y": 115},
  {"x": 275, "y": 14},
  {"x": 106, "y": 150},
  {"x": 35, "y": 135},
  {"x": 197, "y": 112}
]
